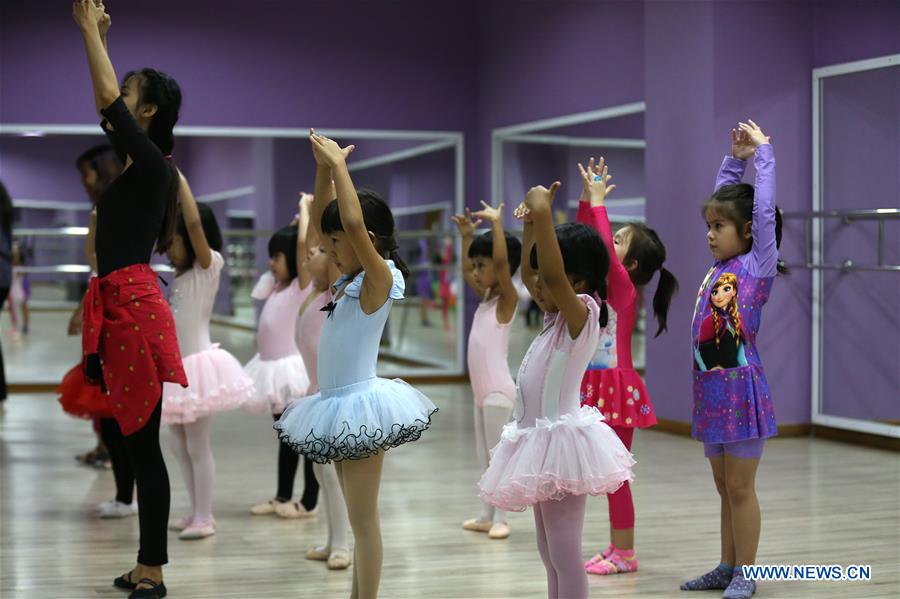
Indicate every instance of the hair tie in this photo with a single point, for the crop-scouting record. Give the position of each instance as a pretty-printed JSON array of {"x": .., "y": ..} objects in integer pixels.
[{"x": 168, "y": 157}]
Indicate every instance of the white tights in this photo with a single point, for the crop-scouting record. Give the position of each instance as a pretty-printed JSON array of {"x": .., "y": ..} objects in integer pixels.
[{"x": 192, "y": 448}]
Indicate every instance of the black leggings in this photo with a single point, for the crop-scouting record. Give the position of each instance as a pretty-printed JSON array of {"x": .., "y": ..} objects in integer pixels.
[
  {"x": 112, "y": 437},
  {"x": 288, "y": 462},
  {"x": 152, "y": 490}
]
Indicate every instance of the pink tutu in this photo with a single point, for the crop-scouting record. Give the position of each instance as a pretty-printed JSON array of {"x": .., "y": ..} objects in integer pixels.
[
  {"x": 576, "y": 455},
  {"x": 278, "y": 383},
  {"x": 216, "y": 382}
]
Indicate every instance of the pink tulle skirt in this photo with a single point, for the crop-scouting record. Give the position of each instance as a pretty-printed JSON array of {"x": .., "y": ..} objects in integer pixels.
[
  {"x": 575, "y": 455},
  {"x": 278, "y": 383},
  {"x": 216, "y": 383}
]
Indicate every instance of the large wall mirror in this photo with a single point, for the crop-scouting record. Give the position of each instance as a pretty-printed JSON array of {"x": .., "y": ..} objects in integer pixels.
[{"x": 251, "y": 177}]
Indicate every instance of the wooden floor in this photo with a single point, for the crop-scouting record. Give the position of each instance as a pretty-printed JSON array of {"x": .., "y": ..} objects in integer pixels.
[{"x": 823, "y": 502}]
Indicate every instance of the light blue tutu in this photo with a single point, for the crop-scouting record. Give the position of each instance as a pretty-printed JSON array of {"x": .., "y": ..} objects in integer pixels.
[{"x": 355, "y": 421}]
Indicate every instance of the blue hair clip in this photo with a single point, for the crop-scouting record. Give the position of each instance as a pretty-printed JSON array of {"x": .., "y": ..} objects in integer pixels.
[{"x": 598, "y": 178}]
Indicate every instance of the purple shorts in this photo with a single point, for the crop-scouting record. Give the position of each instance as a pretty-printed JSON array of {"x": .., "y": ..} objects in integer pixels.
[{"x": 750, "y": 448}]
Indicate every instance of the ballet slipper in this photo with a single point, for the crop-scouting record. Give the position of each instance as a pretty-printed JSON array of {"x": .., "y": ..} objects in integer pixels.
[
  {"x": 477, "y": 525},
  {"x": 339, "y": 560},
  {"x": 500, "y": 530}
]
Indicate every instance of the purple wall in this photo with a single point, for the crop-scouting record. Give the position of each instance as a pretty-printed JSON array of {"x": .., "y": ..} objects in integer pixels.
[
  {"x": 273, "y": 73},
  {"x": 680, "y": 166},
  {"x": 846, "y": 31}
]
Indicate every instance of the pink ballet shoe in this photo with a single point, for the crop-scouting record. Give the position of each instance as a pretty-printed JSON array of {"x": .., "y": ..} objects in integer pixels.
[
  {"x": 318, "y": 554},
  {"x": 616, "y": 563},
  {"x": 477, "y": 525},
  {"x": 199, "y": 530},
  {"x": 180, "y": 523},
  {"x": 293, "y": 509},
  {"x": 500, "y": 530},
  {"x": 338, "y": 560},
  {"x": 263, "y": 509}
]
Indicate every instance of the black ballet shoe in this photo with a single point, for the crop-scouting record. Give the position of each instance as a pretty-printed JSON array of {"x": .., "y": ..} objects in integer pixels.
[
  {"x": 124, "y": 582},
  {"x": 157, "y": 591}
]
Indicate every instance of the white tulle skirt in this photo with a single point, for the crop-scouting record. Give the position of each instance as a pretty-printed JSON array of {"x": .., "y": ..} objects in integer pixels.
[
  {"x": 216, "y": 382},
  {"x": 578, "y": 454},
  {"x": 355, "y": 421},
  {"x": 277, "y": 382}
]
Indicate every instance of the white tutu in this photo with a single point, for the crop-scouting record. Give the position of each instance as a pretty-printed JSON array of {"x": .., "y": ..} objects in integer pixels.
[
  {"x": 277, "y": 382},
  {"x": 355, "y": 421},
  {"x": 216, "y": 382},
  {"x": 576, "y": 455}
]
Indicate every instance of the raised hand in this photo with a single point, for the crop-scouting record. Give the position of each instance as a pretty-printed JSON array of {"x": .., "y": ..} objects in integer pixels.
[
  {"x": 757, "y": 137},
  {"x": 104, "y": 23},
  {"x": 741, "y": 146},
  {"x": 87, "y": 13},
  {"x": 522, "y": 213},
  {"x": 540, "y": 197},
  {"x": 328, "y": 150},
  {"x": 466, "y": 224},
  {"x": 595, "y": 181},
  {"x": 489, "y": 213}
]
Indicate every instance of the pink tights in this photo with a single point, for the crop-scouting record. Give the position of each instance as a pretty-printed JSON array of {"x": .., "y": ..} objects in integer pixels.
[
  {"x": 558, "y": 525},
  {"x": 621, "y": 505}
]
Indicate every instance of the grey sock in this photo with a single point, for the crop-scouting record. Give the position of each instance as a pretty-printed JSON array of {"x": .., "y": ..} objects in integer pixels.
[
  {"x": 739, "y": 588},
  {"x": 719, "y": 578}
]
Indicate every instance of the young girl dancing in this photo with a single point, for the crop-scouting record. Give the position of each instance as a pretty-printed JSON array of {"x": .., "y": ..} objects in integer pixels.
[
  {"x": 611, "y": 384},
  {"x": 558, "y": 452},
  {"x": 128, "y": 336},
  {"x": 356, "y": 416},
  {"x": 216, "y": 381},
  {"x": 493, "y": 259},
  {"x": 278, "y": 371},
  {"x": 320, "y": 272},
  {"x": 733, "y": 411}
]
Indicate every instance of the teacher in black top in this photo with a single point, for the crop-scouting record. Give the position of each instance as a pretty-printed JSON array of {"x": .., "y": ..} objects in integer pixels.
[{"x": 128, "y": 337}]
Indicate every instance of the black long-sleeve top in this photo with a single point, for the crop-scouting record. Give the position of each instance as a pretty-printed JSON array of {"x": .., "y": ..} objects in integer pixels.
[{"x": 131, "y": 211}]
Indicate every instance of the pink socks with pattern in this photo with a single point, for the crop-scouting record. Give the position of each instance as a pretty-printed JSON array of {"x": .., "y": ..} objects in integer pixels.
[{"x": 612, "y": 561}]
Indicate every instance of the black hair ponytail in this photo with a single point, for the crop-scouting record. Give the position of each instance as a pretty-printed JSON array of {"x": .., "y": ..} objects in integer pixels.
[{"x": 662, "y": 299}]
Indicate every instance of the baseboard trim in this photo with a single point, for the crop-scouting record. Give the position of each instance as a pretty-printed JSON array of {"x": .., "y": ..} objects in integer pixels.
[
  {"x": 32, "y": 388},
  {"x": 857, "y": 438},
  {"x": 413, "y": 379}
]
